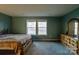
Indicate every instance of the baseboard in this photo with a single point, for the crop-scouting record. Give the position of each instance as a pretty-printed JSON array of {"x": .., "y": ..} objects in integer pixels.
[{"x": 51, "y": 40}]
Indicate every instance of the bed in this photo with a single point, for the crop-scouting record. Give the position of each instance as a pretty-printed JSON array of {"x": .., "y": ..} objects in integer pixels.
[{"x": 20, "y": 42}]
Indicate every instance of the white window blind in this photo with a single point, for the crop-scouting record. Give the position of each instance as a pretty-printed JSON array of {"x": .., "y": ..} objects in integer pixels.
[
  {"x": 31, "y": 27},
  {"x": 42, "y": 27},
  {"x": 37, "y": 27}
]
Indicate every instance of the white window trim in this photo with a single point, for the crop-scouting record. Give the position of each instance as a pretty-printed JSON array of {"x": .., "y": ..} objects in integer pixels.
[
  {"x": 31, "y": 20},
  {"x": 43, "y": 27},
  {"x": 39, "y": 20}
]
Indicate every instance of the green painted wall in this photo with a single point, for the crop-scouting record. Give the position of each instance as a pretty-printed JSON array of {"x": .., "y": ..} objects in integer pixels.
[
  {"x": 67, "y": 17},
  {"x": 5, "y": 23},
  {"x": 54, "y": 25},
  {"x": 19, "y": 25}
]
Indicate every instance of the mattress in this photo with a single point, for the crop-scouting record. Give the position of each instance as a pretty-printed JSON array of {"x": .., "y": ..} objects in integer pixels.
[{"x": 19, "y": 37}]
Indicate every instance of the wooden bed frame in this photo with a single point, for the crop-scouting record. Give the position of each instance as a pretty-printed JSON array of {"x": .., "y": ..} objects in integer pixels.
[
  {"x": 27, "y": 45},
  {"x": 12, "y": 44}
]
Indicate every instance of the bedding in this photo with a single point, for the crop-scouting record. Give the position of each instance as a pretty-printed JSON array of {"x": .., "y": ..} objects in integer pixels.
[{"x": 19, "y": 37}]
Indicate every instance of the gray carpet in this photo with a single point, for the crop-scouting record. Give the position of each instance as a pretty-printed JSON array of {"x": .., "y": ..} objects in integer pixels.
[{"x": 48, "y": 48}]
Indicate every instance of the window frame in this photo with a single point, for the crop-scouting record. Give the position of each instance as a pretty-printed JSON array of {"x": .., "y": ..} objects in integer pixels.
[
  {"x": 30, "y": 27},
  {"x": 36, "y": 20},
  {"x": 42, "y": 27}
]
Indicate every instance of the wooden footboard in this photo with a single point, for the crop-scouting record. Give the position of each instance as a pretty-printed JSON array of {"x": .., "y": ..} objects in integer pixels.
[
  {"x": 17, "y": 47},
  {"x": 9, "y": 44}
]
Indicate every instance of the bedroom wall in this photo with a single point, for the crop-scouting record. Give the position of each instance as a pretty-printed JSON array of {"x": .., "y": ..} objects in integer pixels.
[
  {"x": 54, "y": 27},
  {"x": 19, "y": 25},
  {"x": 53, "y": 31},
  {"x": 67, "y": 17},
  {"x": 5, "y": 23}
]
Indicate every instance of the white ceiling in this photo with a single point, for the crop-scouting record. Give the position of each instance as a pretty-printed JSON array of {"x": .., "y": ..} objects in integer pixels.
[{"x": 37, "y": 10}]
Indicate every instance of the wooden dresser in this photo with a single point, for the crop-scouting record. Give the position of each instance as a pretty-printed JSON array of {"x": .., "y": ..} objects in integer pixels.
[{"x": 71, "y": 43}]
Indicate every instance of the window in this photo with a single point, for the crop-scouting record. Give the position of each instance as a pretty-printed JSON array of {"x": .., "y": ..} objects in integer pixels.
[
  {"x": 42, "y": 28},
  {"x": 31, "y": 27},
  {"x": 37, "y": 27},
  {"x": 76, "y": 28}
]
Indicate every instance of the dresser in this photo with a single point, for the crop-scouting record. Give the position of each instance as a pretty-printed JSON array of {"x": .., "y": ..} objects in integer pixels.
[{"x": 71, "y": 43}]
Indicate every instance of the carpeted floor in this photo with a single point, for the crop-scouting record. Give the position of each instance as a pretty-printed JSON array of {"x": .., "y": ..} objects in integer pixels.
[{"x": 48, "y": 48}]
